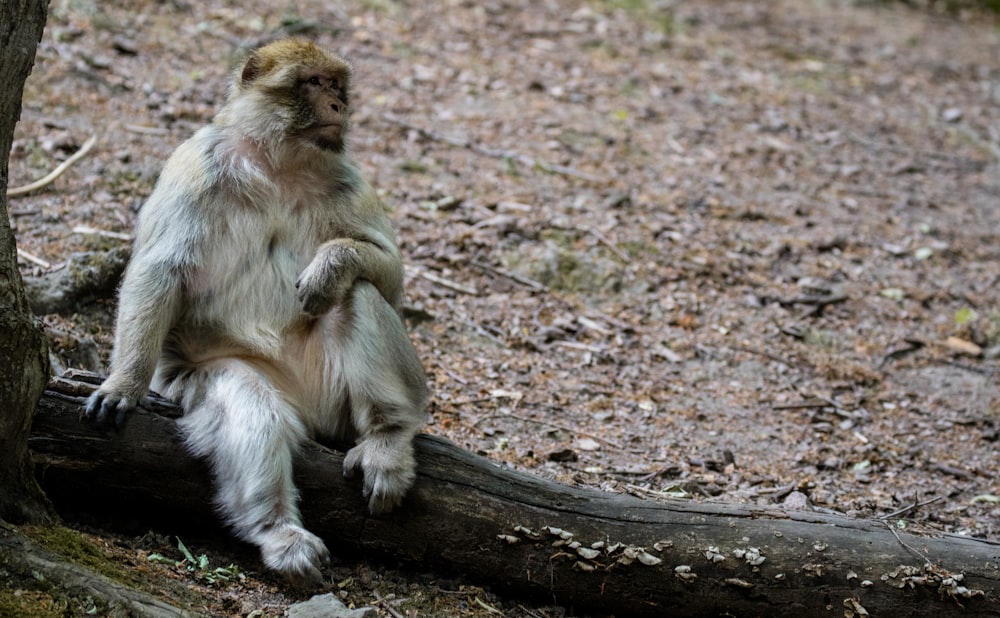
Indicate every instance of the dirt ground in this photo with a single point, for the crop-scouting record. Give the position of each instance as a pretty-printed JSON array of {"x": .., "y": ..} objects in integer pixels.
[{"x": 719, "y": 250}]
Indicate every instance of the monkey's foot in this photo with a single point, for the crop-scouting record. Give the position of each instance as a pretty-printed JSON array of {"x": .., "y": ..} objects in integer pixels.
[
  {"x": 296, "y": 553},
  {"x": 389, "y": 470}
]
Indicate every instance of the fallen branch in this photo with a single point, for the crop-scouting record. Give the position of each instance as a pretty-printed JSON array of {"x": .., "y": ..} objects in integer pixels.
[
  {"x": 494, "y": 152},
  {"x": 83, "y": 278},
  {"x": 599, "y": 552},
  {"x": 56, "y": 173}
]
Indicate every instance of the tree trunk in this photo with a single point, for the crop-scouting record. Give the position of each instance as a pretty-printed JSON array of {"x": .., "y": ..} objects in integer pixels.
[
  {"x": 595, "y": 551},
  {"x": 23, "y": 359}
]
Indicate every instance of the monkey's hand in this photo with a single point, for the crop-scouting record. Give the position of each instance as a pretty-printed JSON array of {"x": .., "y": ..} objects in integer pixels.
[
  {"x": 109, "y": 404},
  {"x": 328, "y": 279},
  {"x": 389, "y": 470}
]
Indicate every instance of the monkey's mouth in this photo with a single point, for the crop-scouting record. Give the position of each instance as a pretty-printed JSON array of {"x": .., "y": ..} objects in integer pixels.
[
  {"x": 331, "y": 130},
  {"x": 327, "y": 137}
]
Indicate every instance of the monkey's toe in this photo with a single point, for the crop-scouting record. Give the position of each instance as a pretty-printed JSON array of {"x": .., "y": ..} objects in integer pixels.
[
  {"x": 388, "y": 472},
  {"x": 297, "y": 554}
]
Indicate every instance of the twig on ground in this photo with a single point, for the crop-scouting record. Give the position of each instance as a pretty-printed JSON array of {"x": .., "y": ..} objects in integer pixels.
[
  {"x": 583, "y": 347},
  {"x": 33, "y": 259},
  {"x": 529, "y": 612},
  {"x": 911, "y": 346},
  {"x": 803, "y": 405},
  {"x": 907, "y": 509},
  {"x": 488, "y": 607},
  {"x": 774, "y": 357},
  {"x": 989, "y": 371},
  {"x": 607, "y": 243},
  {"x": 91, "y": 231},
  {"x": 458, "y": 403},
  {"x": 493, "y": 152},
  {"x": 958, "y": 473},
  {"x": 892, "y": 529},
  {"x": 818, "y": 302},
  {"x": 454, "y": 376},
  {"x": 138, "y": 128},
  {"x": 572, "y": 430},
  {"x": 443, "y": 282},
  {"x": 516, "y": 278},
  {"x": 484, "y": 332},
  {"x": 384, "y": 604},
  {"x": 56, "y": 173}
]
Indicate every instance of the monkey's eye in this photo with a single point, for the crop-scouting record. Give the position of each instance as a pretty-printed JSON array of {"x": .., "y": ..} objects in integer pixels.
[{"x": 314, "y": 80}]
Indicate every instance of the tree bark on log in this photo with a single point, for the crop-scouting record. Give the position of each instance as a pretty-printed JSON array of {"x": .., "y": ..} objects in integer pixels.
[{"x": 597, "y": 552}]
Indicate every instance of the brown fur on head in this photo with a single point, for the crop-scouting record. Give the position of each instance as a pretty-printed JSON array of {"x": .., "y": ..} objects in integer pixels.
[
  {"x": 292, "y": 89},
  {"x": 279, "y": 56}
]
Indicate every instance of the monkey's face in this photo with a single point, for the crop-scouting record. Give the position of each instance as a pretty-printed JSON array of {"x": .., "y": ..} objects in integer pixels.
[
  {"x": 302, "y": 89},
  {"x": 322, "y": 113}
]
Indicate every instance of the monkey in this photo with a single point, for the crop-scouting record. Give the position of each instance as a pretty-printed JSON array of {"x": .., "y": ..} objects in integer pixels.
[{"x": 264, "y": 294}]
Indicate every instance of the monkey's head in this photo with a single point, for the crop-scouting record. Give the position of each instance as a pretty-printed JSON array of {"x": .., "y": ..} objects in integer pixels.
[{"x": 295, "y": 91}]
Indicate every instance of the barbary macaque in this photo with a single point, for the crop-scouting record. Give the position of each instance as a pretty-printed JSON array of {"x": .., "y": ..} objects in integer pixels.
[{"x": 263, "y": 294}]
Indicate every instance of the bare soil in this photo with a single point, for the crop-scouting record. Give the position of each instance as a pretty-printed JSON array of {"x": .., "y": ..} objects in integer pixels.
[{"x": 722, "y": 250}]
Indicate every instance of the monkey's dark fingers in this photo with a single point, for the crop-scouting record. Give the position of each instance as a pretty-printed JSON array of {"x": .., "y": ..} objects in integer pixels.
[
  {"x": 107, "y": 409},
  {"x": 352, "y": 462},
  {"x": 120, "y": 415},
  {"x": 93, "y": 405}
]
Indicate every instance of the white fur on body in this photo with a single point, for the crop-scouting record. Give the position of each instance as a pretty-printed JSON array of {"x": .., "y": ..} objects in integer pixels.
[{"x": 263, "y": 293}]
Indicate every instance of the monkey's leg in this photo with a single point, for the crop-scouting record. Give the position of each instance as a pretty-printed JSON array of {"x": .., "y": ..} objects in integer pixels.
[
  {"x": 387, "y": 392},
  {"x": 248, "y": 432}
]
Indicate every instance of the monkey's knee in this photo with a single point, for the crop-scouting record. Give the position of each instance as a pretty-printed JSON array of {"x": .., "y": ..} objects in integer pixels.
[{"x": 381, "y": 361}]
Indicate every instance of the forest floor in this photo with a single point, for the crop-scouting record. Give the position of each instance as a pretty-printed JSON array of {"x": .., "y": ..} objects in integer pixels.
[{"x": 725, "y": 250}]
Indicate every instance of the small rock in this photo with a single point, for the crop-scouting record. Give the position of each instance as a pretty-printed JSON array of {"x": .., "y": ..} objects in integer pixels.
[
  {"x": 124, "y": 46},
  {"x": 952, "y": 114},
  {"x": 796, "y": 501},
  {"x": 328, "y": 606}
]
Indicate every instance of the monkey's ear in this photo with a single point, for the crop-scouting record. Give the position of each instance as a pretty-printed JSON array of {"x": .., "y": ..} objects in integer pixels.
[{"x": 251, "y": 69}]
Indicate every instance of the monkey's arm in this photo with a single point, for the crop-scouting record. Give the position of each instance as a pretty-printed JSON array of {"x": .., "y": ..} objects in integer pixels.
[
  {"x": 368, "y": 252},
  {"x": 149, "y": 302},
  {"x": 338, "y": 263}
]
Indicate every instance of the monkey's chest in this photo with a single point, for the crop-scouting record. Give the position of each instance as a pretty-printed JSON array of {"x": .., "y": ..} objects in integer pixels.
[{"x": 249, "y": 279}]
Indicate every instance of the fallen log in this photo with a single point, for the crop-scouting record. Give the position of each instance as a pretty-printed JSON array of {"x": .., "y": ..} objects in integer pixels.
[{"x": 597, "y": 552}]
